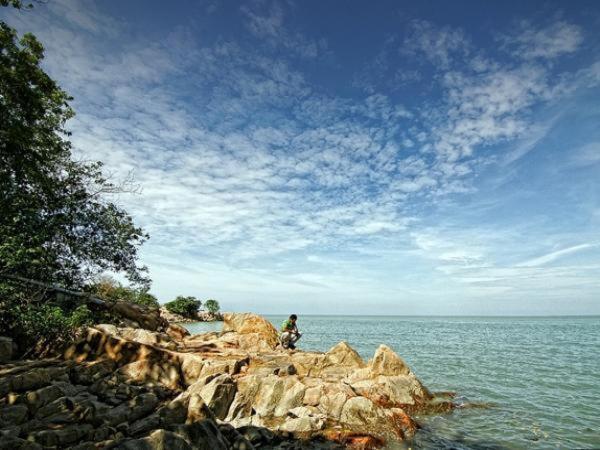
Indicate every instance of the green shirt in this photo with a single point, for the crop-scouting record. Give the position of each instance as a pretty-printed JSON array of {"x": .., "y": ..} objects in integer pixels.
[{"x": 287, "y": 325}]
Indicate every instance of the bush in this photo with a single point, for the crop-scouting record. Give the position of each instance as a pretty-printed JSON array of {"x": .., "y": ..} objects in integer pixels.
[
  {"x": 212, "y": 306},
  {"x": 184, "y": 306},
  {"x": 109, "y": 289},
  {"x": 47, "y": 327}
]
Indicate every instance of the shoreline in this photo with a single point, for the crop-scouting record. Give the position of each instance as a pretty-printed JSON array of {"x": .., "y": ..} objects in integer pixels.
[{"x": 236, "y": 383}]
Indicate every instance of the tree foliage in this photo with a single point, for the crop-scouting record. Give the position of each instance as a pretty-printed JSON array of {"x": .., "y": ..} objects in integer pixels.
[
  {"x": 184, "y": 306},
  {"x": 212, "y": 306},
  {"x": 56, "y": 223},
  {"x": 109, "y": 289}
]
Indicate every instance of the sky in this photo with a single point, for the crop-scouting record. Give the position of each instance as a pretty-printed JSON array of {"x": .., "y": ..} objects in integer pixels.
[{"x": 390, "y": 157}]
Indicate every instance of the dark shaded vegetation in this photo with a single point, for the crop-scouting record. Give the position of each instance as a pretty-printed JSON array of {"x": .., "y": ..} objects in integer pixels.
[
  {"x": 212, "y": 306},
  {"x": 184, "y": 306},
  {"x": 108, "y": 289},
  {"x": 58, "y": 225}
]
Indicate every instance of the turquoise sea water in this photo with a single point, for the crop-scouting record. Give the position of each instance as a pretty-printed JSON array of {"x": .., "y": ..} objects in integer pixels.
[{"x": 539, "y": 377}]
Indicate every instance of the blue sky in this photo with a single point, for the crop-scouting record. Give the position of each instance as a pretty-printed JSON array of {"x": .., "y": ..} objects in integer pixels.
[{"x": 347, "y": 157}]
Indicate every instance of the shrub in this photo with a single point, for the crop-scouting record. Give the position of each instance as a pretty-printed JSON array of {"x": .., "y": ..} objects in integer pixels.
[
  {"x": 109, "y": 289},
  {"x": 184, "y": 306},
  {"x": 47, "y": 327},
  {"x": 212, "y": 306}
]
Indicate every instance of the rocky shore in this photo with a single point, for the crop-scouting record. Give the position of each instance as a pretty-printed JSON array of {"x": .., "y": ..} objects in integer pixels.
[{"x": 160, "y": 388}]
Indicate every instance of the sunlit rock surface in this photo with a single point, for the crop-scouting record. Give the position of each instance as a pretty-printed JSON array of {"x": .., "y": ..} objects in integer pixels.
[{"x": 136, "y": 388}]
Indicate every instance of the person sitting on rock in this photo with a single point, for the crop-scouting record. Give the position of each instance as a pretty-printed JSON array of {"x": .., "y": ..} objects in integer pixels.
[{"x": 290, "y": 333}]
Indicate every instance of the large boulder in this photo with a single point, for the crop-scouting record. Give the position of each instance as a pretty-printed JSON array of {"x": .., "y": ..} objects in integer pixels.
[
  {"x": 147, "y": 318},
  {"x": 140, "y": 335},
  {"x": 219, "y": 394},
  {"x": 387, "y": 362},
  {"x": 248, "y": 324},
  {"x": 151, "y": 371},
  {"x": 177, "y": 332}
]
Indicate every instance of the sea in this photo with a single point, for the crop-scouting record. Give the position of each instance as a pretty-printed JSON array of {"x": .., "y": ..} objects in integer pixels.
[{"x": 521, "y": 382}]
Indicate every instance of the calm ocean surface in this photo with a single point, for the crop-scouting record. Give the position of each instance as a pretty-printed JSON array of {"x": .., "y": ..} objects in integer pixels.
[{"x": 540, "y": 377}]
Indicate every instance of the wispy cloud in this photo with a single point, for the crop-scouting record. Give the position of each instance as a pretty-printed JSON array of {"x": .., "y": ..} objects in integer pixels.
[
  {"x": 268, "y": 22},
  {"x": 439, "y": 44},
  {"x": 528, "y": 41},
  {"x": 256, "y": 177},
  {"x": 553, "y": 256}
]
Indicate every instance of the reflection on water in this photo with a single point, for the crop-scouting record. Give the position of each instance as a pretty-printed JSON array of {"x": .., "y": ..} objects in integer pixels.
[{"x": 541, "y": 375}]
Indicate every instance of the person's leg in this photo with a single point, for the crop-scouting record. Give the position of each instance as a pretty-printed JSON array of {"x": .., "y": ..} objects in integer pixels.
[
  {"x": 293, "y": 339},
  {"x": 286, "y": 338}
]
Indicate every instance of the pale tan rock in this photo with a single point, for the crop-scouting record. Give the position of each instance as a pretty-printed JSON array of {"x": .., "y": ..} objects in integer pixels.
[
  {"x": 292, "y": 397},
  {"x": 219, "y": 394},
  {"x": 198, "y": 409},
  {"x": 191, "y": 367},
  {"x": 392, "y": 391},
  {"x": 242, "y": 405},
  {"x": 344, "y": 355},
  {"x": 177, "y": 332},
  {"x": 302, "y": 426},
  {"x": 313, "y": 395},
  {"x": 148, "y": 318},
  {"x": 151, "y": 371},
  {"x": 386, "y": 362},
  {"x": 248, "y": 323},
  {"x": 254, "y": 342},
  {"x": 332, "y": 404},
  {"x": 362, "y": 412}
]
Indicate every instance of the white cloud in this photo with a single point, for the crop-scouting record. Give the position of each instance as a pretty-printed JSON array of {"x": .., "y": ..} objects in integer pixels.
[
  {"x": 246, "y": 166},
  {"x": 268, "y": 23},
  {"x": 553, "y": 256},
  {"x": 556, "y": 39},
  {"x": 586, "y": 155},
  {"x": 439, "y": 44}
]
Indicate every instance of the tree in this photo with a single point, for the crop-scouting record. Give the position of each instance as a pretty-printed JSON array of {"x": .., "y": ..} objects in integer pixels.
[
  {"x": 184, "y": 306},
  {"x": 212, "y": 306},
  {"x": 56, "y": 223},
  {"x": 109, "y": 289}
]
